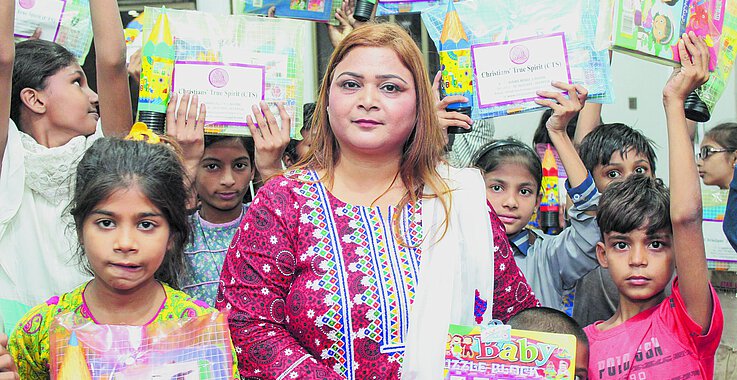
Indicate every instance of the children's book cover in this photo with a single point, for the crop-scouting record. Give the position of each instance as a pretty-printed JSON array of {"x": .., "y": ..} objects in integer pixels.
[
  {"x": 314, "y": 10},
  {"x": 706, "y": 19},
  {"x": 471, "y": 355},
  {"x": 393, "y": 7},
  {"x": 317, "y": 10},
  {"x": 649, "y": 29},
  {"x": 720, "y": 78}
]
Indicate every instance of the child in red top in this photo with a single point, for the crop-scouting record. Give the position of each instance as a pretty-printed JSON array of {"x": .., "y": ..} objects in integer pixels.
[{"x": 646, "y": 236}]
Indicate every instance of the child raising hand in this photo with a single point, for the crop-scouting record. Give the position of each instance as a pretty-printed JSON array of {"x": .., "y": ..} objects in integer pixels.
[
  {"x": 49, "y": 116},
  {"x": 649, "y": 232},
  {"x": 513, "y": 176}
]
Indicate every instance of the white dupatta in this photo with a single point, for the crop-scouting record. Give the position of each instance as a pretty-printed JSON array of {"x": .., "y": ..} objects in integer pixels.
[{"x": 452, "y": 268}]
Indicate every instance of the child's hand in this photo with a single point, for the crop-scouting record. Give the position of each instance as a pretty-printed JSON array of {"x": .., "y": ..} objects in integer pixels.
[
  {"x": 344, "y": 15},
  {"x": 349, "y": 6},
  {"x": 134, "y": 66},
  {"x": 449, "y": 118},
  {"x": 8, "y": 371},
  {"x": 564, "y": 109},
  {"x": 694, "y": 70},
  {"x": 36, "y": 34},
  {"x": 269, "y": 140},
  {"x": 187, "y": 126}
]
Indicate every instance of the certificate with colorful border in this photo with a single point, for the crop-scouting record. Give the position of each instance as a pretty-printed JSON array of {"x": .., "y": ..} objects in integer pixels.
[
  {"x": 513, "y": 71},
  {"x": 44, "y": 14},
  {"x": 227, "y": 90}
]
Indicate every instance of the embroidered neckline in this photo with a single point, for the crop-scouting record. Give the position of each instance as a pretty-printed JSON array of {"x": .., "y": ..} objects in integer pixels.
[{"x": 50, "y": 171}]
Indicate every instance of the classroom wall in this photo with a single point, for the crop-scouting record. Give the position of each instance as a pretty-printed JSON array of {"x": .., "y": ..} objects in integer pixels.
[{"x": 644, "y": 81}]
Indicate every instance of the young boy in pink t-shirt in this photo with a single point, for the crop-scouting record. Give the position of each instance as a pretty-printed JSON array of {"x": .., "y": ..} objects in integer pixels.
[{"x": 646, "y": 236}]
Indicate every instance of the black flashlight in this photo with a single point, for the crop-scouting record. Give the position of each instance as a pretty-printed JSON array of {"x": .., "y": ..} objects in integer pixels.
[
  {"x": 696, "y": 109},
  {"x": 363, "y": 10}
]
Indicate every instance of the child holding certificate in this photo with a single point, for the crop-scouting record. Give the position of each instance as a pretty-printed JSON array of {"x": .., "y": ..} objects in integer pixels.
[
  {"x": 514, "y": 185},
  {"x": 48, "y": 118},
  {"x": 222, "y": 178}
]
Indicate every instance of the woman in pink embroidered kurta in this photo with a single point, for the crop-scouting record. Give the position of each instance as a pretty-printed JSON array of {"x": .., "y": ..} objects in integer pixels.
[{"x": 321, "y": 278}]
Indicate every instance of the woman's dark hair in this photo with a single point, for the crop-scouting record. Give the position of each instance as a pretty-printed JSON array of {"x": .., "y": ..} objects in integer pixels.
[
  {"x": 497, "y": 152},
  {"x": 724, "y": 134},
  {"x": 35, "y": 61},
  {"x": 308, "y": 111},
  {"x": 111, "y": 164},
  {"x": 541, "y": 133},
  {"x": 247, "y": 143}
]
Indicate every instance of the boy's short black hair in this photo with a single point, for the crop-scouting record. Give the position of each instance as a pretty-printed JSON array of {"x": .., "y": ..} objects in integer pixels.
[
  {"x": 499, "y": 152},
  {"x": 541, "y": 135},
  {"x": 599, "y": 145},
  {"x": 637, "y": 201},
  {"x": 548, "y": 320},
  {"x": 308, "y": 111}
]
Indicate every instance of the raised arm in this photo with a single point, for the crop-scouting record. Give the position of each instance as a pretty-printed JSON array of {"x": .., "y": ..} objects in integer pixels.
[
  {"x": 112, "y": 76},
  {"x": 186, "y": 125},
  {"x": 344, "y": 15},
  {"x": 572, "y": 254},
  {"x": 269, "y": 139},
  {"x": 7, "y": 56},
  {"x": 685, "y": 190},
  {"x": 588, "y": 119},
  {"x": 564, "y": 109}
]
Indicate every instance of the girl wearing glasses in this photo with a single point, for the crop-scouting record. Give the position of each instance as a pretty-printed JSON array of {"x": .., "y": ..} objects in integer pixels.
[
  {"x": 716, "y": 162},
  {"x": 718, "y": 155}
]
